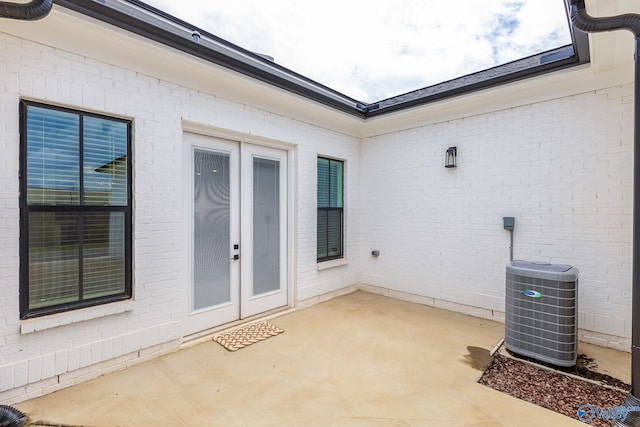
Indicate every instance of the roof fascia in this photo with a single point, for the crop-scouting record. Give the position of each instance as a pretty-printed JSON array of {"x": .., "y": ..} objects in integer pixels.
[
  {"x": 214, "y": 50},
  {"x": 479, "y": 82},
  {"x": 223, "y": 53},
  {"x": 581, "y": 55}
]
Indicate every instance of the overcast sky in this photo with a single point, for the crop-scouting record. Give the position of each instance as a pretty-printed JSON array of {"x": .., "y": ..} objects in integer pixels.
[{"x": 371, "y": 50}]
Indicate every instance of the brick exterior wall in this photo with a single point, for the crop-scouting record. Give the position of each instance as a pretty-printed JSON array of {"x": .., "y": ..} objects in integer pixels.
[
  {"x": 562, "y": 168},
  {"x": 44, "y": 354}
]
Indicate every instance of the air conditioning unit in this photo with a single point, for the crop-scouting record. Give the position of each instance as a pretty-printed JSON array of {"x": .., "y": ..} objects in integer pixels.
[{"x": 541, "y": 315}]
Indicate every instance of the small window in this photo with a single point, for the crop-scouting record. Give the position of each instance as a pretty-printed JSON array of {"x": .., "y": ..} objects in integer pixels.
[
  {"x": 330, "y": 209},
  {"x": 75, "y": 203}
]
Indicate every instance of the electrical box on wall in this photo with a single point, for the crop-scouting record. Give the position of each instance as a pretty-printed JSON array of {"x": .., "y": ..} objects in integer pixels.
[{"x": 509, "y": 222}]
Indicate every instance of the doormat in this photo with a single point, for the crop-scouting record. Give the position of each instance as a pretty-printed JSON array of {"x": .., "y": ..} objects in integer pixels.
[{"x": 247, "y": 335}]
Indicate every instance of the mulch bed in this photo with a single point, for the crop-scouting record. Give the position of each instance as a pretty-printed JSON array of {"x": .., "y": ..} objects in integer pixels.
[{"x": 553, "y": 389}]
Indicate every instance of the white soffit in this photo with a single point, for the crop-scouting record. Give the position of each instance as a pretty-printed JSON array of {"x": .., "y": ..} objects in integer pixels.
[{"x": 613, "y": 49}]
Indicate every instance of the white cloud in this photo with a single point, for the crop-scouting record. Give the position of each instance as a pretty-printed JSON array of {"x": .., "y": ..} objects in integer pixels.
[{"x": 374, "y": 50}]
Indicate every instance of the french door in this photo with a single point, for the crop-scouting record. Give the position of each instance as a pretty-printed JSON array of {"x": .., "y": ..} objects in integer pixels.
[{"x": 238, "y": 232}]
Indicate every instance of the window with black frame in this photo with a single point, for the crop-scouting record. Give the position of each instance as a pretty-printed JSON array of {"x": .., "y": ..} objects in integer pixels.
[
  {"x": 330, "y": 209},
  {"x": 75, "y": 201}
]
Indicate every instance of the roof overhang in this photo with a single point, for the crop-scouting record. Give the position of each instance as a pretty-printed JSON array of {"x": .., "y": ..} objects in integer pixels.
[{"x": 143, "y": 20}]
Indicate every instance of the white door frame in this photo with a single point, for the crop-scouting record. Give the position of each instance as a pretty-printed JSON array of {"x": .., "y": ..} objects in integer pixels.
[
  {"x": 194, "y": 131},
  {"x": 202, "y": 319},
  {"x": 254, "y": 304}
]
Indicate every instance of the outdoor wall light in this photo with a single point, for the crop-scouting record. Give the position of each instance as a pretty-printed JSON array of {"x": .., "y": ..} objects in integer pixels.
[{"x": 450, "y": 157}]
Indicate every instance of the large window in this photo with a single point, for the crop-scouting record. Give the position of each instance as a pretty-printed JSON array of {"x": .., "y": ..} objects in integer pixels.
[
  {"x": 330, "y": 209},
  {"x": 75, "y": 203}
]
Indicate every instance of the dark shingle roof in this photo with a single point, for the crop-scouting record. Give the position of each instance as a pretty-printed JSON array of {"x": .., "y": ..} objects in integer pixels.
[{"x": 501, "y": 74}]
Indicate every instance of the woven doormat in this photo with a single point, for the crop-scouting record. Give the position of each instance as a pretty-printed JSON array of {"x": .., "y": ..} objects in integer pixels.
[{"x": 247, "y": 335}]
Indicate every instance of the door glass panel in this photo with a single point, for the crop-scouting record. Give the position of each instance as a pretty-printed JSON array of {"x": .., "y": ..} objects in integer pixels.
[
  {"x": 266, "y": 225},
  {"x": 211, "y": 275}
]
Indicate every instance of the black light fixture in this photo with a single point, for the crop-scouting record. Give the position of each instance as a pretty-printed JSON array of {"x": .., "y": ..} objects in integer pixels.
[{"x": 450, "y": 157}]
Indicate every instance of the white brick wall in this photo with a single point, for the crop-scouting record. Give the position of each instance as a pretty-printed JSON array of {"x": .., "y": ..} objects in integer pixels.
[
  {"x": 54, "y": 351},
  {"x": 562, "y": 168},
  {"x": 311, "y": 281}
]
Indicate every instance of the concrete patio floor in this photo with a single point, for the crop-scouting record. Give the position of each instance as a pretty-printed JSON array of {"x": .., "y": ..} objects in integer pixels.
[{"x": 357, "y": 360}]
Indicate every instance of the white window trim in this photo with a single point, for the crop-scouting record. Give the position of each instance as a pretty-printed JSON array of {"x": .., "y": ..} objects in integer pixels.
[
  {"x": 325, "y": 265},
  {"x": 50, "y": 321}
]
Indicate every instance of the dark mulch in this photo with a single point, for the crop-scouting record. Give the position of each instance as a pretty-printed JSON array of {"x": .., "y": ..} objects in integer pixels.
[{"x": 553, "y": 389}]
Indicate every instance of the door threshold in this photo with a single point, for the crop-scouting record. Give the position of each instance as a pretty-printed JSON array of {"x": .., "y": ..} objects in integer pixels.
[{"x": 207, "y": 335}]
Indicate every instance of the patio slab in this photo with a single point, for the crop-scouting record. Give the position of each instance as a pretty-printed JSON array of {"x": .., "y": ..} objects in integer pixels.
[{"x": 357, "y": 360}]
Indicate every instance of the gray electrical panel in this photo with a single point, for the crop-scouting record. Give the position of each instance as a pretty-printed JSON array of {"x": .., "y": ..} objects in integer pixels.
[{"x": 541, "y": 311}]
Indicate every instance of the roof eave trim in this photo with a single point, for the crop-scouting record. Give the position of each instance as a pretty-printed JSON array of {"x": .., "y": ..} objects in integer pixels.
[
  {"x": 251, "y": 65},
  {"x": 481, "y": 85},
  {"x": 310, "y": 89},
  {"x": 580, "y": 39}
]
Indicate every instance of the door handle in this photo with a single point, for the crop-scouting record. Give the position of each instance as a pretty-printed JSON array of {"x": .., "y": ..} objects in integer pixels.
[{"x": 236, "y": 257}]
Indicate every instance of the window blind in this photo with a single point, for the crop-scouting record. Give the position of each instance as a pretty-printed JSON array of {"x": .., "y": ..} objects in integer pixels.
[
  {"x": 330, "y": 209},
  {"x": 76, "y": 230}
]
